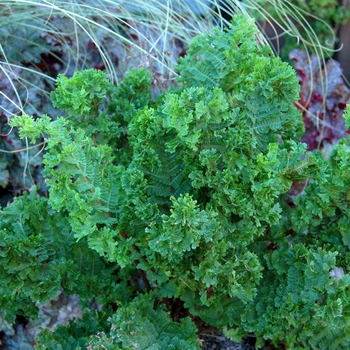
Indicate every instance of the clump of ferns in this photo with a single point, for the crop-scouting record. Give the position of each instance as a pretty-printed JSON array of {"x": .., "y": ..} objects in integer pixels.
[{"x": 41, "y": 39}]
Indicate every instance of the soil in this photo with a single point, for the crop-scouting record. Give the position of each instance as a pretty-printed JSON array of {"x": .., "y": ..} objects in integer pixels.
[
  {"x": 212, "y": 339},
  {"x": 216, "y": 342}
]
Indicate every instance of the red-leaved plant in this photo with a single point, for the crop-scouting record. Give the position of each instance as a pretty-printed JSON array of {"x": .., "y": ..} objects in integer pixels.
[{"x": 323, "y": 98}]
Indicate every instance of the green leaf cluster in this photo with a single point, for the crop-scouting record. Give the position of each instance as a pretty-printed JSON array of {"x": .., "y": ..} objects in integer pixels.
[
  {"x": 76, "y": 334},
  {"x": 185, "y": 197},
  {"x": 137, "y": 325},
  {"x": 39, "y": 256}
]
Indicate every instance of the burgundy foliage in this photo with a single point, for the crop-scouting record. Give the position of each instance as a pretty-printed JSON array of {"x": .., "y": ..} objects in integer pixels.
[{"x": 323, "y": 98}]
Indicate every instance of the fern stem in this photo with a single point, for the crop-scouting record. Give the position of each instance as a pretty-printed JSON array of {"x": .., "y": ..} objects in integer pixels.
[{"x": 136, "y": 262}]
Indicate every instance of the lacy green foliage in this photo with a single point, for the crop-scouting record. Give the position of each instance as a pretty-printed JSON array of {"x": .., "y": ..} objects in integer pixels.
[
  {"x": 86, "y": 175},
  {"x": 321, "y": 217},
  {"x": 191, "y": 190},
  {"x": 82, "y": 94},
  {"x": 297, "y": 291},
  {"x": 137, "y": 325},
  {"x": 39, "y": 255},
  {"x": 99, "y": 107},
  {"x": 76, "y": 334},
  {"x": 258, "y": 86},
  {"x": 131, "y": 94},
  {"x": 312, "y": 240}
]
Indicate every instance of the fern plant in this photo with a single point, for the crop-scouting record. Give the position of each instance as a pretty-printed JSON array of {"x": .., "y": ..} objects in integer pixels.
[{"x": 186, "y": 194}]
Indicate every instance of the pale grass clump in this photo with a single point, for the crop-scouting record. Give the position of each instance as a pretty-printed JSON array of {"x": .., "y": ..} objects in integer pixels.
[{"x": 145, "y": 33}]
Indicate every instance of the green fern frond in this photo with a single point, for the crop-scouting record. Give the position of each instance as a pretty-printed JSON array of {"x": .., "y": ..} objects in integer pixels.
[{"x": 39, "y": 256}]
